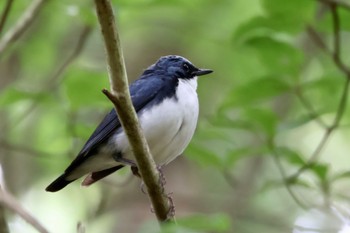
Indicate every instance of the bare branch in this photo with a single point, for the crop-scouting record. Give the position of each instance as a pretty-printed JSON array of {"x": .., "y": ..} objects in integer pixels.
[
  {"x": 22, "y": 24},
  {"x": 120, "y": 97},
  {"x": 5, "y": 14},
  {"x": 11, "y": 203}
]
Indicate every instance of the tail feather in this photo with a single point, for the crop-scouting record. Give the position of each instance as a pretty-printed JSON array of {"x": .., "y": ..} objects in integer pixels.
[
  {"x": 58, "y": 184},
  {"x": 62, "y": 181},
  {"x": 95, "y": 176}
]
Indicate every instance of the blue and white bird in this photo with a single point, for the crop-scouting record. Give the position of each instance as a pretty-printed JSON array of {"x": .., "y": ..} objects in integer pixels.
[{"x": 166, "y": 103}]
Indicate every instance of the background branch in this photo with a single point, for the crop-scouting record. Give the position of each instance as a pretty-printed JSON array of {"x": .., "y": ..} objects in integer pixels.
[
  {"x": 5, "y": 14},
  {"x": 6, "y": 199},
  {"x": 336, "y": 55},
  {"x": 120, "y": 97},
  {"x": 55, "y": 77},
  {"x": 22, "y": 24},
  {"x": 3, "y": 223}
]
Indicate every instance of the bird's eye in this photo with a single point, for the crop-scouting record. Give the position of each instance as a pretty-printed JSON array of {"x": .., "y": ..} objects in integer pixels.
[{"x": 186, "y": 67}]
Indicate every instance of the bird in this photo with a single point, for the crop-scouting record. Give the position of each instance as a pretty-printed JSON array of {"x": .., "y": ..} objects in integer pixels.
[{"x": 166, "y": 102}]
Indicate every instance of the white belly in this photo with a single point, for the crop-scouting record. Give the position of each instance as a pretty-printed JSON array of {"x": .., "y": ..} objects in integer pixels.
[{"x": 169, "y": 126}]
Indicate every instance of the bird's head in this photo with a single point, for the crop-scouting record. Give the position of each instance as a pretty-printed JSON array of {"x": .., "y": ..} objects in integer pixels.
[{"x": 177, "y": 66}]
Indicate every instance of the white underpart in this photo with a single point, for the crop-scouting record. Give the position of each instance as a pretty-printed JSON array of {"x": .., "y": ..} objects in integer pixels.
[{"x": 168, "y": 128}]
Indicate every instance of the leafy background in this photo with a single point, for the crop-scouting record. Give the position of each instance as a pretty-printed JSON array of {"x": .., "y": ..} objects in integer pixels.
[{"x": 270, "y": 153}]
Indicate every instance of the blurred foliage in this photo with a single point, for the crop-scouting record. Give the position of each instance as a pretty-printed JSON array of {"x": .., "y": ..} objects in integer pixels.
[{"x": 264, "y": 111}]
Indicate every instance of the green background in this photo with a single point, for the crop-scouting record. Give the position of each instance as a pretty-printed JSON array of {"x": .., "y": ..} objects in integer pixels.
[{"x": 272, "y": 97}]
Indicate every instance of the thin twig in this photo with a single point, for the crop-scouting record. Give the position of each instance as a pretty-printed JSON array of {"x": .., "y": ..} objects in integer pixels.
[
  {"x": 5, "y": 14},
  {"x": 80, "y": 44},
  {"x": 315, "y": 37},
  {"x": 337, "y": 40},
  {"x": 336, "y": 55},
  {"x": 80, "y": 228},
  {"x": 54, "y": 79},
  {"x": 314, "y": 155},
  {"x": 11, "y": 203},
  {"x": 22, "y": 24},
  {"x": 286, "y": 181},
  {"x": 308, "y": 106},
  {"x": 120, "y": 97},
  {"x": 340, "y": 3},
  {"x": 28, "y": 151}
]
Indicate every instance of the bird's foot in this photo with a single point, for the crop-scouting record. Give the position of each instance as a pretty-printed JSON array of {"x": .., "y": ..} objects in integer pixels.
[
  {"x": 171, "y": 212},
  {"x": 143, "y": 189},
  {"x": 129, "y": 162},
  {"x": 135, "y": 171},
  {"x": 162, "y": 179}
]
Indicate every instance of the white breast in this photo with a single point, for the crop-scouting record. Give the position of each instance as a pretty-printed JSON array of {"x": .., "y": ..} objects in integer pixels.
[{"x": 169, "y": 126}]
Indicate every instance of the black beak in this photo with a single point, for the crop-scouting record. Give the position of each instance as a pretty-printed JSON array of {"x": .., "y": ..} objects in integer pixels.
[{"x": 200, "y": 72}]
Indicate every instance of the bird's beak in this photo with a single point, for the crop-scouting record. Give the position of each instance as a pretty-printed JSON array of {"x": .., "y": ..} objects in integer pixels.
[{"x": 200, "y": 72}]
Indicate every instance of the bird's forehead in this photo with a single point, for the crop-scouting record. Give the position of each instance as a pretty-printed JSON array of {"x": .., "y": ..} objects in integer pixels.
[{"x": 172, "y": 59}]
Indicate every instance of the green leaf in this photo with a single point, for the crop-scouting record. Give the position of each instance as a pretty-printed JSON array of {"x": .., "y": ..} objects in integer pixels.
[
  {"x": 327, "y": 85},
  {"x": 290, "y": 16},
  {"x": 264, "y": 120},
  {"x": 291, "y": 156},
  {"x": 298, "y": 121},
  {"x": 273, "y": 184},
  {"x": 84, "y": 87},
  {"x": 203, "y": 155},
  {"x": 256, "y": 91},
  {"x": 14, "y": 95},
  {"x": 320, "y": 170},
  {"x": 224, "y": 121},
  {"x": 252, "y": 119},
  {"x": 236, "y": 154},
  {"x": 278, "y": 55},
  {"x": 325, "y": 24}
]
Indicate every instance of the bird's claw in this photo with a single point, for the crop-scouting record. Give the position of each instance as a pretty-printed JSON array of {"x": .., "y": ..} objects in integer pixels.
[
  {"x": 162, "y": 179},
  {"x": 135, "y": 171}
]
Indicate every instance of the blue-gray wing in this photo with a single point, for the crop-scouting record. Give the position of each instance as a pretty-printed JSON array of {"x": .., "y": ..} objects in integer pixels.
[{"x": 143, "y": 92}]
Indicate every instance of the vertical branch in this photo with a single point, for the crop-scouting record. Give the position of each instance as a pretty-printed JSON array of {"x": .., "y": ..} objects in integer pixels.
[{"x": 120, "y": 97}]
